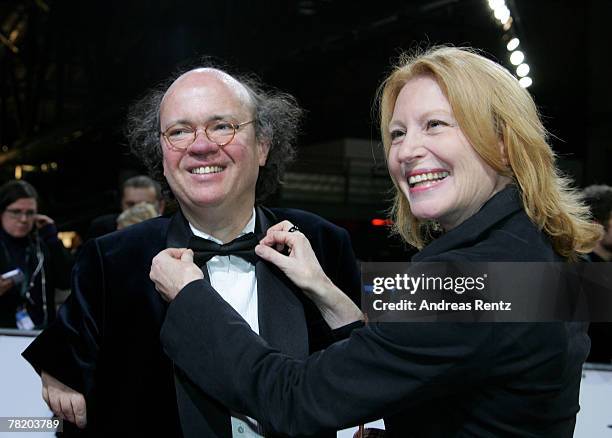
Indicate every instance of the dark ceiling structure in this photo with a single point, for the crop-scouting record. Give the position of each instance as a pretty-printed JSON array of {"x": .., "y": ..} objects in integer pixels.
[{"x": 69, "y": 69}]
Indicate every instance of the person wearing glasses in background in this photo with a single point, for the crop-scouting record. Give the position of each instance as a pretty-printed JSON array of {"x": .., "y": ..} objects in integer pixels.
[
  {"x": 219, "y": 144},
  {"x": 33, "y": 261}
]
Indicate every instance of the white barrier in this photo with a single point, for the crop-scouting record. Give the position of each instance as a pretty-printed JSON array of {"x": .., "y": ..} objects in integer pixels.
[
  {"x": 20, "y": 388},
  {"x": 20, "y": 391}
]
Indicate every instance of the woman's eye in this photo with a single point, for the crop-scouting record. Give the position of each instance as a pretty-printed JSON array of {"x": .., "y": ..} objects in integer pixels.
[
  {"x": 435, "y": 123},
  {"x": 396, "y": 133}
]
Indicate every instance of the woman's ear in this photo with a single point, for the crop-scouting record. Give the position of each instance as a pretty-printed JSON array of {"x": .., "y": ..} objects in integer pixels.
[{"x": 503, "y": 153}]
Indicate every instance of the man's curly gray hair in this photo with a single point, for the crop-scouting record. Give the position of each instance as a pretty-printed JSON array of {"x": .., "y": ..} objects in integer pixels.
[{"x": 277, "y": 119}]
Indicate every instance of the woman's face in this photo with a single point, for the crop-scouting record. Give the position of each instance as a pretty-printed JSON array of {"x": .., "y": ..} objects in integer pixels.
[
  {"x": 18, "y": 217},
  {"x": 431, "y": 160}
]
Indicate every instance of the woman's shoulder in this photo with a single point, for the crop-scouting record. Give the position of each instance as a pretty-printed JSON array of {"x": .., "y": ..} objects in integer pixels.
[{"x": 516, "y": 239}]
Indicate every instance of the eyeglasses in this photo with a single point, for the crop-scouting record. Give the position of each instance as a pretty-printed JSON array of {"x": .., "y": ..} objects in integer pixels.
[
  {"x": 220, "y": 132},
  {"x": 17, "y": 214}
]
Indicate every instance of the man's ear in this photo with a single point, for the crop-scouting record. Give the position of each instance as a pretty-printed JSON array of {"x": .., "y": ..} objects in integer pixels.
[{"x": 263, "y": 148}]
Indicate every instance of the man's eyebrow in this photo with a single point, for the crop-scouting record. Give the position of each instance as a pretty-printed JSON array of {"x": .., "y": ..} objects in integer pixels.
[{"x": 212, "y": 118}]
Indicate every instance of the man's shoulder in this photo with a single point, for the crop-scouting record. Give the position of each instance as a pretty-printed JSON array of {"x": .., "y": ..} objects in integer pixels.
[
  {"x": 306, "y": 220},
  {"x": 147, "y": 234}
]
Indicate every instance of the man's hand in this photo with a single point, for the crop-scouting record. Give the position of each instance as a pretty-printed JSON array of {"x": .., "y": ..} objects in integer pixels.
[
  {"x": 64, "y": 401},
  {"x": 172, "y": 269},
  {"x": 5, "y": 285}
]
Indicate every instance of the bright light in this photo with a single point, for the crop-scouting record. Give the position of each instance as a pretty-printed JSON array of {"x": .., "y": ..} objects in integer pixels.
[
  {"x": 503, "y": 16},
  {"x": 494, "y": 4},
  {"x": 381, "y": 222},
  {"x": 522, "y": 70},
  {"x": 513, "y": 44},
  {"x": 500, "y": 12},
  {"x": 525, "y": 82},
  {"x": 517, "y": 57}
]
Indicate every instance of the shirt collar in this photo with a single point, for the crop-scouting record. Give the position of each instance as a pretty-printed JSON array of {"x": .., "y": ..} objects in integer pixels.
[{"x": 248, "y": 228}]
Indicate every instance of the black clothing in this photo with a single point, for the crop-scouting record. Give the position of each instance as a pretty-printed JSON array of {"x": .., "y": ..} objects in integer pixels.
[
  {"x": 26, "y": 253},
  {"x": 105, "y": 342},
  {"x": 426, "y": 379}
]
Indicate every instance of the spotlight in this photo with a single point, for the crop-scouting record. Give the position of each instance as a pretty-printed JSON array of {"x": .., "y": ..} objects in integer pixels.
[
  {"x": 513, "y": 44},
  {"x": 495, "y": 4},
  {"x": 522, "y": 70},
  {"x": 517, "y": 57},
  {"x": 525, "y": 82},
  {"x": 500, "y": 12}
]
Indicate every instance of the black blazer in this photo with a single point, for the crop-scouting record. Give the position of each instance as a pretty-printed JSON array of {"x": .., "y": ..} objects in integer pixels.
[
  {"x": 106, "y": 344},
  {"x": 426, "y": 379}
]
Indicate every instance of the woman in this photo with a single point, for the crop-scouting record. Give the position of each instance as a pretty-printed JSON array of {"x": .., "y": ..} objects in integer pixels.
[
  {"x": 31, "y": 251},
  {"x": 468, "y": 154}
]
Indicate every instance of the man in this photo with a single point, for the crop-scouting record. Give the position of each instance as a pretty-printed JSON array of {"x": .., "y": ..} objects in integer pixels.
[
  {"x": 599, "y": 199},
  {"x": 134, "y": 190},
  {"x": 218, "y": 143}
]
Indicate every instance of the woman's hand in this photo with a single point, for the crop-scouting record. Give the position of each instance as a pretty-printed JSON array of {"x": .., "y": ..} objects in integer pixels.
[{"x": 300, "y": 264}]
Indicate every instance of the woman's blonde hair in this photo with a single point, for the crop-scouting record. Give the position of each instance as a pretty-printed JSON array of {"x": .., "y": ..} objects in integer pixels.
[{"x": 490, "y": 105}]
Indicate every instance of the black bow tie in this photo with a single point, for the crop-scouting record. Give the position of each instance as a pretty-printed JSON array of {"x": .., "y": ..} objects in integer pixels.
[{"x": 243, "y": 247}]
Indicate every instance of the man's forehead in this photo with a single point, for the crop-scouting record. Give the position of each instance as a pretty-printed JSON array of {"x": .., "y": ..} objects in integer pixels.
[
  {"x": 208, "y": 77},
  {"x": 134, "y": 192}
]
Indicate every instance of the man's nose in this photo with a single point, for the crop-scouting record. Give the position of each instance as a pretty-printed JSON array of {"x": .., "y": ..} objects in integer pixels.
[{"x": 202, "y": 144}]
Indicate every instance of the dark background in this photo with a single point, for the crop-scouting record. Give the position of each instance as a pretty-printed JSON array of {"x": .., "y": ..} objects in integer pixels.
[{"x": 76, "y": 66}]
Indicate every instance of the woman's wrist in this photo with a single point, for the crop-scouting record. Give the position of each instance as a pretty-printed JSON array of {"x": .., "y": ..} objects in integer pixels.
[{"x": 335, "y": 306}]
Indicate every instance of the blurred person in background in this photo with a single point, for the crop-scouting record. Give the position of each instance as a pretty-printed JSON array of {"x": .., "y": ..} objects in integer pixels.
[
  {"x": 33, "y": 261},
  {"x": 599, "y": 199},
  {"x": 134, "y": 190},
  {"x": 136, "y": 214}
]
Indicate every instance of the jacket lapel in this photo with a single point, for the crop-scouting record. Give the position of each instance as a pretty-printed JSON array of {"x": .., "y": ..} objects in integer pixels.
[{"x": 282, "y": 322}]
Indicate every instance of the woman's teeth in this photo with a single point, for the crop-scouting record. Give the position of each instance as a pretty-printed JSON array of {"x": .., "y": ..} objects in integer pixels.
[
  {"x": 207, "y": 169},
  {"x": 426, "y": 178}
]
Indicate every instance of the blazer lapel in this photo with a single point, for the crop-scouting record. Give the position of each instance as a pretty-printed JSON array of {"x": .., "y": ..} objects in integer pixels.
[{"x": 282, "y": 322}]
